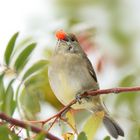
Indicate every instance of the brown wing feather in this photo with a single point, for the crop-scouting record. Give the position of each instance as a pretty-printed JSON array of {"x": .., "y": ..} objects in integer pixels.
[{"x": 90, "y": 69}]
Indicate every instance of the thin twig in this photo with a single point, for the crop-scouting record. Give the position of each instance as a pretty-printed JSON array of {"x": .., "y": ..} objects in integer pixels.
[
  {"x": 112, "y": 90},
  {"x": 25, "y": 126},
  {"x": 63, "y": 110},
  {"x": 55, "y": 120},
  {"x": 91, "y": 93}
]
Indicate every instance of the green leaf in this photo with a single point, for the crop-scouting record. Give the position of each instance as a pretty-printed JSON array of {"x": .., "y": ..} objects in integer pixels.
[
  {"x": 71, "y": 121},
  {"x": 2, "y": 92},
  {"x": 14, "y": 136},
  {"x": 23, "y": 57},
  {"x": 40, "y": 136},
  {"x": 121, "y": 37},
  {"x": 16, "y": 95},
  {"x": 134, "y": 132},
  {"x": 24, "y": 42},
  {"x": 30, "y": 103},
  {"x": 28, "y": 132},
  {"x": 82, "y": 136},
  {"x": 4, "y": 132},
  {"x": 34, "y": 68},
  {"x": 9, "y": 102},
  {"x": 139, "y": 132},
  {"x": 130, "y": 97},
  {"x": 10, "y": 48},
  {"x": 92, "y": 124},
  {"x": 107, "y": 138},
  {"x": 128, "y": 80}
]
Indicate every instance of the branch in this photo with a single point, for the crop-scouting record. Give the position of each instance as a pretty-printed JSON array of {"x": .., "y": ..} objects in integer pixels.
[
  {"x": 63, "y": 110},
  {"x": 112, "y": 90},
  {"x": 26, "y": 125},
  {"x": 91, "y": 93}
]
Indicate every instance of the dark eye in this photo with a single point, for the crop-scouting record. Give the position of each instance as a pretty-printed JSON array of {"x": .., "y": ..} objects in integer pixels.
[{"x": 72, "y": 39}]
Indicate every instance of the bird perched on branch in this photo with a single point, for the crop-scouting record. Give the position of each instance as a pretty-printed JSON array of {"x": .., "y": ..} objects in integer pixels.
[{"x": 71, "y": 74}]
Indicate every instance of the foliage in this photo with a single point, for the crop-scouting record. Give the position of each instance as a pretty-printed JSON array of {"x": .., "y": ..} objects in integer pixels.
[
  {"x": 82, "y": 136},
  {"x": 10, "y": 48},
  {"x": 92, "y": 124},
  {"x": 40, "y": 137},
  {"x": 6, "y": 134},
  {"x": 28, "y": 87},
  {"x": 15, "y": 64}
]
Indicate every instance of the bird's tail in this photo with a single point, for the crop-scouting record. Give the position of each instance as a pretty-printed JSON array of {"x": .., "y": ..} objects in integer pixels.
[{"x": 113, "y": 128}]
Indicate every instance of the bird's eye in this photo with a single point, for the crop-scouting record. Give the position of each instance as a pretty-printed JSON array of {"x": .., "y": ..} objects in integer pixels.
[{"x": 72, "y": 39}]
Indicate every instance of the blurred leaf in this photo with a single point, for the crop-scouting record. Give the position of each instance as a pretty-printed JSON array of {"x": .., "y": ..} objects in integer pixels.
[
  {"x": 130, "y": 97},
  {"x": 4, "y": 132},
  {"x": 107, "y": 138},
  {"x": 134, "y": 133},
  {"x": 121, "y": 37},
  {"x": 40, "y": 137},
  {"x": 17, "y": 91},
  {"x": 9, "y": 103},
  {"x": 48, "y": 52},
  {"x": 28, "y": 133},
  {"x": 82, "y": 136},
  {"x": 22, "y": 59},
  {"x": 68, "y": 136},
  {"x": 71, "y": 120},
  {"x": 38, "y": 89},
  {"x": 24, "y": 42},
  {"x": 139, "y": 133},
  {"x": 14, "y": 136},
  {"x": 2, "y": 91},
  {"x": 34, "y": 68},
  {"x": 92, "y": 124},
  {"x": 30, "y": 103},
  {"x": 10, "y": 48},
  {"x": 81, "y": 116},
  {"x": 39, "y": 83},
  {"x": 128, "y": 80}
]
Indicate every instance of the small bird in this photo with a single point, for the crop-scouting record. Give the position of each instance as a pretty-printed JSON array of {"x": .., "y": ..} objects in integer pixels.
[{"x": 71, "y": 74}]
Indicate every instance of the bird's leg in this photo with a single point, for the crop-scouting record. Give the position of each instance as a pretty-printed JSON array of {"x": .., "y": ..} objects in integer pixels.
[{"x": 78, "y": 97}]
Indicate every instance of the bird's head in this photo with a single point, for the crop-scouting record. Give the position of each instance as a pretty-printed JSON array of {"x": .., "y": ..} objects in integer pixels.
[{"x": 67, "y": 43}]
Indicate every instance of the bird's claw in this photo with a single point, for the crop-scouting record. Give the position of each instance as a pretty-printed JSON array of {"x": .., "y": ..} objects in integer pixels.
[{"x": 78, "y": 98}]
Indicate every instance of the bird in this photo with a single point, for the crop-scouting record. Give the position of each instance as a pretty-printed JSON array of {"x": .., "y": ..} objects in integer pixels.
[{"x": 71, "y": 74}]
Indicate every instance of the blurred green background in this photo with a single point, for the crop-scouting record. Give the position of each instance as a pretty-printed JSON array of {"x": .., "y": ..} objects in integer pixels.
[{"x": 108, "y": 30}]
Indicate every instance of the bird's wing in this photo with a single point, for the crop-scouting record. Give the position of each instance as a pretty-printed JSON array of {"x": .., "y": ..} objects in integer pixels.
[{"x": 90, "y": 69}]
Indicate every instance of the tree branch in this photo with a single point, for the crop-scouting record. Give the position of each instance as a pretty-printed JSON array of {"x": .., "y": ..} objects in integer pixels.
[
  {"x": 92, "y": 93},
  {"x": 26, "y": 125},
  {"x": 112, "y": 90},
  {"x": 63, "y": 110}
]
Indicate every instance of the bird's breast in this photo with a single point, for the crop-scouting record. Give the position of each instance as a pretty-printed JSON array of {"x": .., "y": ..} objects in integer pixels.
[{"x": 68, "y": 76}]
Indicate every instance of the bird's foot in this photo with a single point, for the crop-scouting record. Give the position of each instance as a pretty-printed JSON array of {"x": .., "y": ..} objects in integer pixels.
[{"x": 78, "y": 98}]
